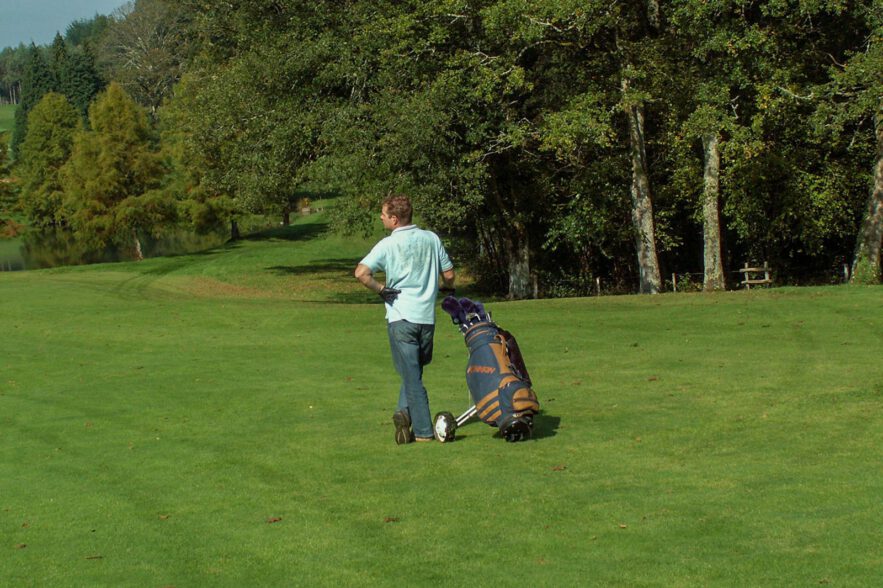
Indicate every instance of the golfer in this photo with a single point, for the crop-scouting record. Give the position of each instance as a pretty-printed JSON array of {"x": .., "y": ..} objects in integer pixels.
[{"x": 412, "y": 259}]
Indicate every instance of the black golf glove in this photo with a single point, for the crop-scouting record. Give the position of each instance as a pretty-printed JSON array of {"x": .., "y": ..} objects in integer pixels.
[{"x": 389, "y": 294}]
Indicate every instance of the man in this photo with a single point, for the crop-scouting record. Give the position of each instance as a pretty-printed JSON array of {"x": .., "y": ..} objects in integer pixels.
[{"x": 412, "y": 259}]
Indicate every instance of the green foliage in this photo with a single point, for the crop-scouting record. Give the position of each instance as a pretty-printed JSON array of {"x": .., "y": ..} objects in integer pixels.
[
  {"x": 79, "y": 80},
  {"x": 865, "y": 272},
  {"x": 111, "y": 178},
  {"x": 58, "y": 69},
  {"x": 86, "y": 32},
  {"x": 205, "y": 209},
  {"x": 12, "y": 66},
  {"x": 143, "y": 49},
  {"x": 7, "y": 194},
  {"x": 38, "y": 79},
  {"x": 52, "y": 124}
]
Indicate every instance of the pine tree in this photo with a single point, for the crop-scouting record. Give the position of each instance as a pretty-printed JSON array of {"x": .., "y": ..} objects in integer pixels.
[
  {"x": 37, "y": 81},
  {"x": 81, "y": 81}
]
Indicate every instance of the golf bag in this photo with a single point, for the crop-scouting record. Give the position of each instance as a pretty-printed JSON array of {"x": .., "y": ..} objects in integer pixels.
[{"x": 497, "y": 378}]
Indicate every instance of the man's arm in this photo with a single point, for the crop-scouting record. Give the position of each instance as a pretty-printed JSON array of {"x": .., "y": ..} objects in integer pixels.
[
  {"x": 366, "y": 276},
  {"x": 448, "y": 279}
]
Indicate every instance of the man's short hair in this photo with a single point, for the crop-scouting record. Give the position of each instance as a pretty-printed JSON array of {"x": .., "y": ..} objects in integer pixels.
[{"x": 398, "y": 205}]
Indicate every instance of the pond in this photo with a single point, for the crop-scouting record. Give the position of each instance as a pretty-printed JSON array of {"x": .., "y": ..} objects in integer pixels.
[{"x": 57, "y": 247}]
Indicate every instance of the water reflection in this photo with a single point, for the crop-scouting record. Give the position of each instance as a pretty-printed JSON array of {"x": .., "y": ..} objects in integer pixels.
[{"x": 58, "y": 247}]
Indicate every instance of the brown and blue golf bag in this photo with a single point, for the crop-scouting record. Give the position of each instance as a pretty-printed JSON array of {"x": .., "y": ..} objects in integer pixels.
[{"x": 498, "y": 381}]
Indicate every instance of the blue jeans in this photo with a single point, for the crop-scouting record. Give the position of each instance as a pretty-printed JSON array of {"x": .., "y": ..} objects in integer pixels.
[{"x": 411, "y": 346}]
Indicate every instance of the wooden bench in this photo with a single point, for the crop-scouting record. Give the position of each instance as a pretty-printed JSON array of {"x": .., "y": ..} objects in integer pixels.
[{"x": 751, "y": 275}]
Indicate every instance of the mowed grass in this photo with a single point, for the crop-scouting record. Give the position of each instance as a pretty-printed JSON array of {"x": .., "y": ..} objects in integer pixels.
[
  {"x": 223, "y": 419},
  {"x": 7, "y": 120}
]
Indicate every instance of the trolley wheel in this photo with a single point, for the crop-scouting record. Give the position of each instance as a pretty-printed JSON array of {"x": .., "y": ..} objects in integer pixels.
[{"x": 444, "y": 427}]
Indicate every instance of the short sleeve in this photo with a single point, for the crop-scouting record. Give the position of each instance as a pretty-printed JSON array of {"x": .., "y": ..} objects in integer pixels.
[
  {"x": 376, "y": 258},
  {"x": 444, "y": 262}
]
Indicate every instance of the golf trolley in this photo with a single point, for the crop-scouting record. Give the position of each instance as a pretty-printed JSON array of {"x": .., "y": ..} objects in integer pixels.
[{"x": 498, "y": 381}]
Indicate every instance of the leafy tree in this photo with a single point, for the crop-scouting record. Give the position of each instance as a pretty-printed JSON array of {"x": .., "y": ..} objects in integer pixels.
[
  {"x": 850, "y": 115},
  {"x": 556, "y": 138},
  {"x": 52, "y": 124},
  {"x": 144, "y": 48},
  {"x": 112, "y": 181},
  {"x": 205, "y": 208},
  {"x": 12, "y": 65},
  {"x": 6, "y": 191}
]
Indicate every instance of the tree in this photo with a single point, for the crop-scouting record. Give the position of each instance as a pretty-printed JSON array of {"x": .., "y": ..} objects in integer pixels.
[
  {"x": 852, "y": 105},
  {"x": 633, "y": 38},
  {"x": 75, "y": 74},
  {"x": 12, "y": 65},
  {"x": 52, "y": 124},
  {"x": 112, "y": 181},
  {"x": 37, "y": 80},
  {"x": 6, "y": 192},
  {"x": 86, "y": 32},
  {"x": 183, "y": 142},
  {"x": 144, "y": 49}
]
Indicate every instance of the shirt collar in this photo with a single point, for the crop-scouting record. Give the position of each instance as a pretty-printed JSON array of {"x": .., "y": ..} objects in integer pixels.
[{"x": 405, "y": 228}]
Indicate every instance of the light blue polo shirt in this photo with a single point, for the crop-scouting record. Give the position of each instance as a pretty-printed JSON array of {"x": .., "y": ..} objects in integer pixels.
[{"x": 412, "y": 259}]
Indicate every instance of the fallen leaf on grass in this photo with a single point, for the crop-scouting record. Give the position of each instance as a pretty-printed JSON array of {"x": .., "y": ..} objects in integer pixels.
[
  {"x": 164, "y": 517},
  {"x": 559, "y": 468},
  {"x": 652, "y": 379},
  {"x": 21, "y": 545},
  {"x": 96, "y": 556},
  {"x": 391, "y": 519},
  {"x": 25, "y": 525},
  {"x": 623, "y": 526},
  {"x": 272, "y": 520}
]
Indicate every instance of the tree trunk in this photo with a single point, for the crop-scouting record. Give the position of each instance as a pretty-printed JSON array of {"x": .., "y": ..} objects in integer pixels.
[
  {"x": 234, "y": 230},
  {"x": 653, "y": 14},
  {"x": 517, "y": 242},
  {"x": 139, "y": 254},
  {"x": 642, "y": 203},
  {"x": 286, "y": 216},
  {"x": 711, "y": 227},
  {"x": 866, "y": 264}
]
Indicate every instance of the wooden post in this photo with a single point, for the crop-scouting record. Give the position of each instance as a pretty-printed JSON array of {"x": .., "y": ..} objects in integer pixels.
[{"x": 674, "y": 282}]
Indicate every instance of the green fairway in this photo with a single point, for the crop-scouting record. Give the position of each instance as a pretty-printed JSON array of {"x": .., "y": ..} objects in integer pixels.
[
  {"x": 223, "y": 419},
  {"x": 7, "y": 119}
]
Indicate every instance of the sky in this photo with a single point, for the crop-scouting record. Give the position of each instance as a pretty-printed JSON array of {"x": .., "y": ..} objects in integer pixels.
[{"x": 26, "y": 21}]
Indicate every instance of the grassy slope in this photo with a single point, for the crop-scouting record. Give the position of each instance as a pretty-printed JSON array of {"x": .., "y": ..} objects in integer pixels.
[
  {"x": 7, "y": 119},
  {"x": 154, "y": 417}
]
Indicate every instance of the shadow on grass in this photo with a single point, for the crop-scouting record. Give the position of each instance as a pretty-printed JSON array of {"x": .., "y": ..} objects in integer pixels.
[
  {"x": 344, "y": 266},
  {"x": 545, "y": 425},
  {"x": 296, "y": 232}
]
